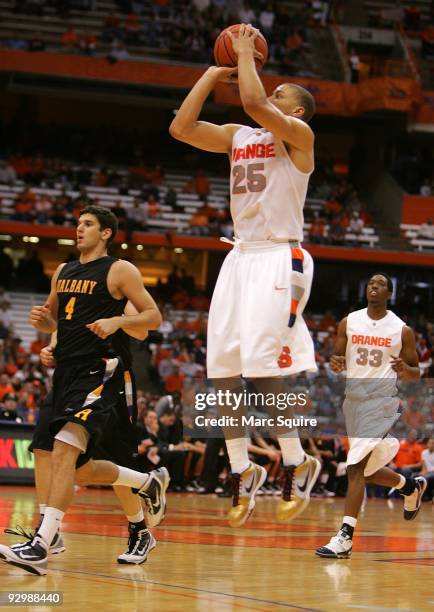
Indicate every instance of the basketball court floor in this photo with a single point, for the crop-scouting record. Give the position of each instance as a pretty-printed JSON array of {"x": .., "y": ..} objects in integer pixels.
[{"x": 200, "y": 564}]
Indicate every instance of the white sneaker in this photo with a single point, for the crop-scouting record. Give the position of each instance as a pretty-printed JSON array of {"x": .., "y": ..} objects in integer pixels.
[
  {"x": 140, "y": 544},
  {"x": 413, "y": 502},
  {"x": 154, "y": 494},
  {"x": 339, "y": 547}
]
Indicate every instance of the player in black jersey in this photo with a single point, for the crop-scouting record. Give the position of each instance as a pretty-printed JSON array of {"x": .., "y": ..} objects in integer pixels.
[
  {"x": 118, "y": 444},
  {"x": 85, "y": 306}
]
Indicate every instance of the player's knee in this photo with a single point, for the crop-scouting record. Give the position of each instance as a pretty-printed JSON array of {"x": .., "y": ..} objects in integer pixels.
[
  {"x": 64, "y": 454},
  {"x": 84, "y": 474},
  {"x": 355, "y": 471}
]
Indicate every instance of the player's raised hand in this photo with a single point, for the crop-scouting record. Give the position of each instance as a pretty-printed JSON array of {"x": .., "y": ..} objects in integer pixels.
[
  {"x": 47, "y": 358},
  {"x": 221, "y": 74},
  {"x": 337, "y": 363},
  {"x": 245, "y": 41},
  {"x": 104, "y": 327}
]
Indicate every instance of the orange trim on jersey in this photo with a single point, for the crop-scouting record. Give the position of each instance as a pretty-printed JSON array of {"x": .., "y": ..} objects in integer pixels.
[
  {"x": 297, "y": 253},
  {"x": 294, "y": 306}
]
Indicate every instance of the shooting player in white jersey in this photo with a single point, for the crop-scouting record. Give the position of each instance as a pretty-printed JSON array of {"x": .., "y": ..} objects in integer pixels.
[
  {"x": 375, "y": 347},
  {"x": 255, "y": 328}
]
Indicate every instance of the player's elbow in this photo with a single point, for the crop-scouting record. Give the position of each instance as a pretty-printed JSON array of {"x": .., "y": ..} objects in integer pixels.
[
  {"x": 176, "y": 131},
  {"x": 156, "y": 319}
]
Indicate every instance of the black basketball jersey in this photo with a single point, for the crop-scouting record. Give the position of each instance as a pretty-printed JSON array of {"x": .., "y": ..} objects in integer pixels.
[{"x": 84, "y": 298}]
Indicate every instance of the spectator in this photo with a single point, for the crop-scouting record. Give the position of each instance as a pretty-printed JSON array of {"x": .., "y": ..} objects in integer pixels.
[
  {"x": 135, "y": 218},
  {"x": 36, "y": 43},
  {"x": 152, "y": 207},
  {"x": 426, "y": 230},
  {"x": 266, "y": 20},
  {"x": 5, "y": 386},
  {"x": 201, "y": 183},
  {"x": 354, "y": 66},
  {"x": 425, "y": 189},
  {"x": 317, "y": 230},
  {"x": 11, "y": 410},
  {"x": 118, "y": 52},
  {"x": 7, "y": 267},
  {"x": 409, "y": 457},
  {"x": 356, "y": 223},
  {"x": 8, "y": 175},
  {"x": 69, "y": 39},
  {"x": 428, "y": 467}
]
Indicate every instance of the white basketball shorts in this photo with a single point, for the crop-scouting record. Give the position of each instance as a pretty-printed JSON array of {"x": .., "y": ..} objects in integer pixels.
[
  {"x": 367, "y": 423},
  {"x": 255, "y": 325}
]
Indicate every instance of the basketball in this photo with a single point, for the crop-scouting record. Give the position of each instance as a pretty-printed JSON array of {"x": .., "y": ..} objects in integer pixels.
[{"x": 224, "y": 54}]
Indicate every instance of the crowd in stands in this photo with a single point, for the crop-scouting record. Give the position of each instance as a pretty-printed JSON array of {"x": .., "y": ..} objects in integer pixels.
[
  {"x": 185, "y": 29},
  {"x": 167, "y": 432},
  {"x": 342, "y": 212}
]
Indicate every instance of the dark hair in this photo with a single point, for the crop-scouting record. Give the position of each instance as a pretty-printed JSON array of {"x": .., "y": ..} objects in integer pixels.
[
  {"x": 387, "y": 277},
  {"x": 305, "y": 99},
  {"x": 106, "y": 219}
]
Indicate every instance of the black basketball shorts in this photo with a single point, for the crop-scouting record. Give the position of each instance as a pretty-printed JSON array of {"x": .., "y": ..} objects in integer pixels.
[{"x": 100, "y": 396}]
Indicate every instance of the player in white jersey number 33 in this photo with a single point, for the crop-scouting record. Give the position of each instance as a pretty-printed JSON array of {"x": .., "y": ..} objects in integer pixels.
[{"x": 375, "y": 347}]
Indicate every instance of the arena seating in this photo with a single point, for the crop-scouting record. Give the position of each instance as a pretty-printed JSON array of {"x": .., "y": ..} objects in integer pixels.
[
  {"x": 167, "y": 219},
  {"x": 411, "y": 232}
]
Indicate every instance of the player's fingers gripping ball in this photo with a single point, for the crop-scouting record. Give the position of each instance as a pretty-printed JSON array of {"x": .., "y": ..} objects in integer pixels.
[{"x": 224, "y": 53}]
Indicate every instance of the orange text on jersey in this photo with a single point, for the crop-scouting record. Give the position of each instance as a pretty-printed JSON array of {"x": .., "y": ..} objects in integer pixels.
[
  {"x": 371, "y": 340},
  {"x": 253, "y": 151},
  {"x": 75, "y": 286}
]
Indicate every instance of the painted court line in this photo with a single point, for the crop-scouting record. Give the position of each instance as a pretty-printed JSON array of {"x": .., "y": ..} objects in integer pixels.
[{"x": 196, "y": 590}]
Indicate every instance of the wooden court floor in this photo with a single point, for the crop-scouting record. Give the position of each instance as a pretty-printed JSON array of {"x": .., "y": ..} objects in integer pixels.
[{"x": 200, "y": 564}]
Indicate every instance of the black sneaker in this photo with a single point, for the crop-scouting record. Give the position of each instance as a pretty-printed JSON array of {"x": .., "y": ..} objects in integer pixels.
[
  {"x": 57, "y": 545},
  {"x": 413, "y": 502},
  {"x": 154, "y": 494},
  {"x": 31, "y": 557},
  {"x": 140, "y": 544}
]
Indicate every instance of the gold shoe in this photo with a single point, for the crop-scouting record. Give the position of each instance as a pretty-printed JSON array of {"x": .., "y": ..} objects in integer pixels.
[
  {"x": 297, "y": 485},
  {"x": 245, "y": 486}
]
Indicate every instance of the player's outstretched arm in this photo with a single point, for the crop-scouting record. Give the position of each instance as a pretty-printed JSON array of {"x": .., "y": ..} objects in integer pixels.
[
  {"x": 337, "y": 360},
  {"x": 125, "y": 280},
  {"x": 200, "y": 134},
  {"x": 44, "y": 318},
  {"x": 291, "y": 130},
  {"x": 407, "y": 363}
]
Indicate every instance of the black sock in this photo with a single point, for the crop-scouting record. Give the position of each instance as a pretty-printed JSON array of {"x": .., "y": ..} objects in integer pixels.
[
  {"x": 347, "y": 529},
  {"x": 409, "y": 487},
  {"x": 137, "y": 526}
]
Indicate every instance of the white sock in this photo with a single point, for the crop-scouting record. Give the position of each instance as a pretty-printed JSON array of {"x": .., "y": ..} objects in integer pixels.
[
  {"x": 136, "y": 518},
  {"x": 238, "y": 454},
  {"x": 292, "y": 451},
  {"x": 130, "y": 478},
  {"x": 350, "y": 520},
  {"x": 42, "y": 509},
  {"x": 50, "y": 524},
  {"x": 402, "y": 481}
]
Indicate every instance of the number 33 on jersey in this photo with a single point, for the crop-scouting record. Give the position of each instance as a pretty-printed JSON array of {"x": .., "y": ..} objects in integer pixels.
[{"x": 371, "y": 344}]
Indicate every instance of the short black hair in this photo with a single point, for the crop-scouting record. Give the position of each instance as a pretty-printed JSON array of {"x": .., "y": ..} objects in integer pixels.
[
  {"x": 106, "y": 219},
  {"x": 305, "y": 99},
  {"x": 387, "y": 277}
]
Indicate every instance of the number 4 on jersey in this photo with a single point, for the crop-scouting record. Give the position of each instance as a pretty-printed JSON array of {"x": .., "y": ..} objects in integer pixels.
[{"x": 69, "y": 308}]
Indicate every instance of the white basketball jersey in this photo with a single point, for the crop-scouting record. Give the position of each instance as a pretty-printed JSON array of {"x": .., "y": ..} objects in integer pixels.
[
  {"x": 267, "y": 190},
  {"x": 370, "y": 347}
]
